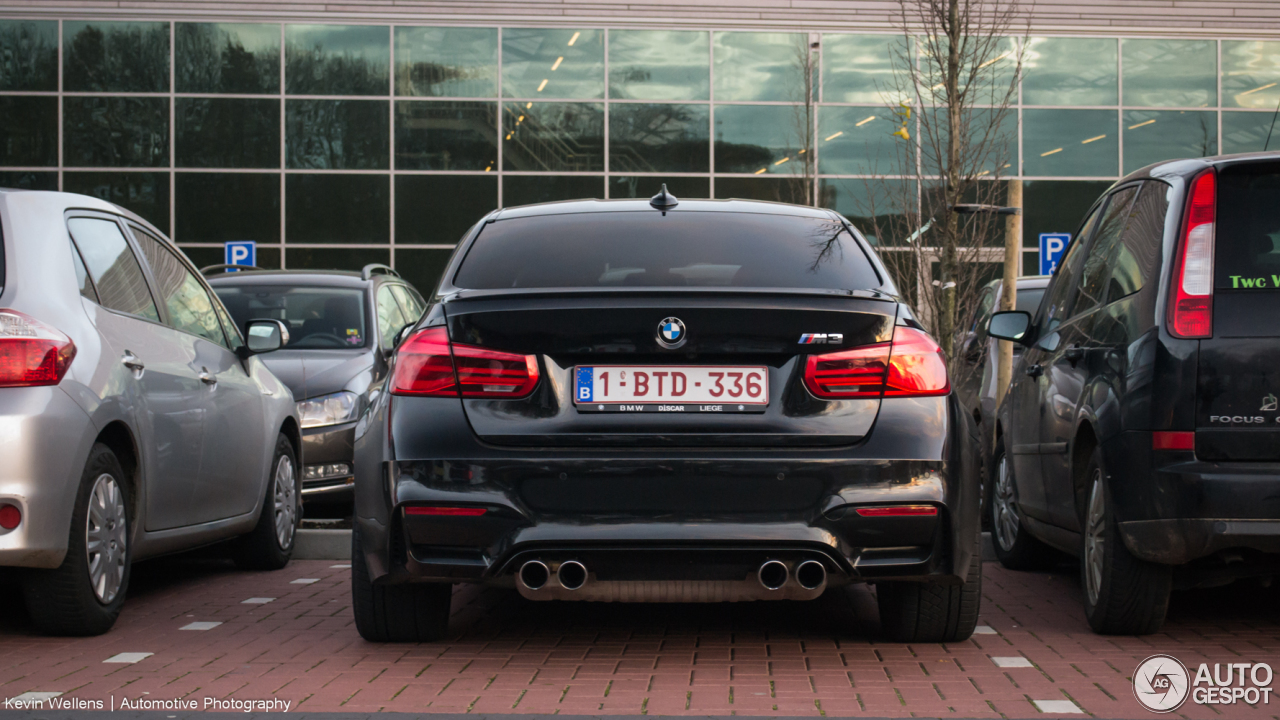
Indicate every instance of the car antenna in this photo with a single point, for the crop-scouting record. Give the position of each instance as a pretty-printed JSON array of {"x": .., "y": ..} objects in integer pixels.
[{"x": 664, "y": 200}]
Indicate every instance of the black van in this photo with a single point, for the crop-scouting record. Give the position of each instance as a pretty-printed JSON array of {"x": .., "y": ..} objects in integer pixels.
[{"x": 1141, "y": 432}]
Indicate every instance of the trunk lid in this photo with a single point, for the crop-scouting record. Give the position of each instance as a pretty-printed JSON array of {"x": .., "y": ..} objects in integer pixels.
[{"x": 570, "y": 329}]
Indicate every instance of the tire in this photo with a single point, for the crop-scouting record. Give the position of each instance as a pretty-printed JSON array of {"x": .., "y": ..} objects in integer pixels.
[
  {"x": 1015, "y": 548},
  {"x": 269, "y": 546},
  {"x": 406, "y": 612},
  {"x": 913, "y": 612},
  {"x": 1122, "y": 594},
  {"x": 84, "y": 594}
]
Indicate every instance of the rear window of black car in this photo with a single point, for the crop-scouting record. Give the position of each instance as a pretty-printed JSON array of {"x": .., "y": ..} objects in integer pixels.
[
  {"x": 680, "y": 249},
  {"x": 1247, "y": 254}
]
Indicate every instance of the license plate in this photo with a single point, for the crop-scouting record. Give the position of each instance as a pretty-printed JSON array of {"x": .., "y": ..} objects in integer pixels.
[{"x": 671, "y": 388}]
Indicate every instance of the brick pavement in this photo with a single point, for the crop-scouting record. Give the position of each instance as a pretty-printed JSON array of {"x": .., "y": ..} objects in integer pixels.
[{"x": 509, "y": 655}]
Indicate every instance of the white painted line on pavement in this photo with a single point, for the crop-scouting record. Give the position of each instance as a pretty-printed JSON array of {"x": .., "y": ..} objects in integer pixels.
[
  {"x": 340, "y": 567},
  {"x": 127, "y": 657},
  {"x": 30, "y": 697},
  {"x": 304, "y": 581},
  {"x": 1057, "y": 706},
  {"x": 1012, "y": 662},
  {"x": 985, "y": 630},
  {"x": 257, "y": 601},
  {"x": 203, "y": 625}
]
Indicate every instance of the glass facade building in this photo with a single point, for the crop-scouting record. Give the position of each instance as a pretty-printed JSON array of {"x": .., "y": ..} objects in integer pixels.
[{"x": 339, "y": 145}]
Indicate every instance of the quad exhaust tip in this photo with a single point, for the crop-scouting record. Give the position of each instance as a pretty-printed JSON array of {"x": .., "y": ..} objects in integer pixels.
[
  {"x": 534, "y": 574},
  {"x": 571, "y": 574},
  {"x": 773, "y": 574},
  {"x": 811, "y": 574}
]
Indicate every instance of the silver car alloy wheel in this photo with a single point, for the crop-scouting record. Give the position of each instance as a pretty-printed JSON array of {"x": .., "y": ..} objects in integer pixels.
[
  {"x": 106, "y": 538},
  {"x": 1095, "y": 541},
  {"x": 1005, "y": 521},
  {"x": 286, "y": 498}
]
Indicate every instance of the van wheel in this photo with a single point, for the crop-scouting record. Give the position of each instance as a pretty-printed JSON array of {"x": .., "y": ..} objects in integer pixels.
[
  {"x": 913, "y": 612},
  {"x": 1015, "y": 548},
  {"x": 407, "y": 612},
  {"x": 84, "y": 594},
  {"x": 1122, "y": 594},
  {"x": 270, "y": 545}
]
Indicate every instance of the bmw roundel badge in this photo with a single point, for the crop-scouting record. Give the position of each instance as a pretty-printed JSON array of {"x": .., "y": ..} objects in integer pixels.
[{"x": 671, "y": 333}]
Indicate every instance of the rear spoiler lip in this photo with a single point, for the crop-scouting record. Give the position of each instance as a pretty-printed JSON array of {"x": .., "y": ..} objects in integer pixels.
[{"x": 464, "y": 294}]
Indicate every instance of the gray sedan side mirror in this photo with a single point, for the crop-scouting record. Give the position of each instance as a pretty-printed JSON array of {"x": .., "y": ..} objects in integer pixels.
[
  {"x": 1010, "y": 325},
  {"x": 266, "y": 336}
]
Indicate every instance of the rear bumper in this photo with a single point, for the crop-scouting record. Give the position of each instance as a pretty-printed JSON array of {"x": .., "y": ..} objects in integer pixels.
[
  {"x": 1174, "y": 542},
  {"x": 686, "y": 520}
]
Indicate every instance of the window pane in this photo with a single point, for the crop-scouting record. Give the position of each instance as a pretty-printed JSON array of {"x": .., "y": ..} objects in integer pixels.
[
  {"x": 447, "y": 62},
  {"x": 145, "y": 193},
  {"x": 542, "y": 62},
  {"x": 227, "y": 133},
  {"x": 761, "y": 66},
  {"x": 113, "y": 267},
  {"x": 997, "y": 60},
  {"x": 29, "y": 180},
  {"x": 1137, "y": 255},
  {"x": 1170, "y": 73},
  {"x": 439, "y": 209},
  {"x": 115, "y": 132},
  {"x": 337, "y": 59},
  {"x": 1093, "y": 280},
  {"x": 684, "y": 188},
  {"x": 1001, "y": 152},
  {"x": 446, "y": 135},
  {"x": 1154, "y": 136},
  {"x": 876, "y": 207},
  {"x": 659, "y": 138},
  {"x": 529, "y": 189},
  {"x": 115, "y": 56},
  {"x": 28, "y": 131},
  {"x": 659, "y": 65},
  {"x": 337, "y": 209},
  {"x": 567, "y": 137},
  {"x": 30, "y": 52},
  {"x": 774, "y": 189},
  {"x": 859, "y": 68},
  {"x": 337, "y": 134},
  {"x": 390, "y": 317},
  {"x": 189, "y": 307},
  {"x": 227, "y": 58},
  {"x": 1250, "y": 74},
  {"x": 1055, "y": 206},
  {"x": 1247, "y": 131},
  {"x": 860, "y": 140},
  {"x": 755, "y": 138},
  {"x": 1070, "y": 143},
  {"x": 335, "y": 258},
  {"x": 422, "y": 268},
  {"x": 219, "y": 207},
  {"x": 1070, "y": 71}
]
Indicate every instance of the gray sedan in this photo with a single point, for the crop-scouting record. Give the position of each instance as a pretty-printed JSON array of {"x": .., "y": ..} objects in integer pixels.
[{"x": 137, "y": 420}]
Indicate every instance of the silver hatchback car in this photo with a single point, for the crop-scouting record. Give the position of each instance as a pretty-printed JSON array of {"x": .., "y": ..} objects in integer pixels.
[{"x": 135, "y": 420}]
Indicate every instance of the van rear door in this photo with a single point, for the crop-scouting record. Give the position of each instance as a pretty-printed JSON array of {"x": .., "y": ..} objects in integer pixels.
[{"x": 1237, "y": 411}]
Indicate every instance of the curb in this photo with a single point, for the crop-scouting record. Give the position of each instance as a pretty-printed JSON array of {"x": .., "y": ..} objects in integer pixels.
[{"x": 322, "y": 545}]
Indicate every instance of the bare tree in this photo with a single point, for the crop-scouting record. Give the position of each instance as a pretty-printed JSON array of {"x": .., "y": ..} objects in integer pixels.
[
  {"x": 955, "y": 81},
  {"x": 801, "y": 181}
]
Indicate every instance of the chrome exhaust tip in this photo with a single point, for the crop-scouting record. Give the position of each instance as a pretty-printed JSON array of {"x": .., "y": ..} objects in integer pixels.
[
  {"x": 811, "y": 574},
  {"x": 571, "y": 574},
  {"x": 773, "y": 574},
  {"x": 534, "y": 574}
]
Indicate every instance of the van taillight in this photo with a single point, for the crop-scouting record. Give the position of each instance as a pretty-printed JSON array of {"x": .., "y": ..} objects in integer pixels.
[
  {"x": 910, "y": 366},
  {"x": 32, "y": 353},
  {"x": 1191, "y": 302},
  {"x": 427, "y": 364}
]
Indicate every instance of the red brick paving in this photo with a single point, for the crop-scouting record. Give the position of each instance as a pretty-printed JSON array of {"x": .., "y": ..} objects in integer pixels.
[{"x": 508, "y": 655}]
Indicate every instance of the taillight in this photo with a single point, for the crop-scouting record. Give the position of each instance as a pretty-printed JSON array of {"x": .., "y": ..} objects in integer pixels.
[
  {"x": 31, "y": 352},
  {"x": 898, "y": 511},
  {"x": 1191, "y": 302},
  {"x": 1165, "y": 440},
  {"x": 427, "y": 364},
  {"x": 910, "y": 366}
]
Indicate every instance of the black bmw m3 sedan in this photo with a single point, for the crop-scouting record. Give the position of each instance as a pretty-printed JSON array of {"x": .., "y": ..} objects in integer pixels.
[{"x": 666, "y": 401}]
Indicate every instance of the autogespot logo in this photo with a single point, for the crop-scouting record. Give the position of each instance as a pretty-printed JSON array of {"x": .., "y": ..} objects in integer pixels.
[{"x": 1162, "y": 684}]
